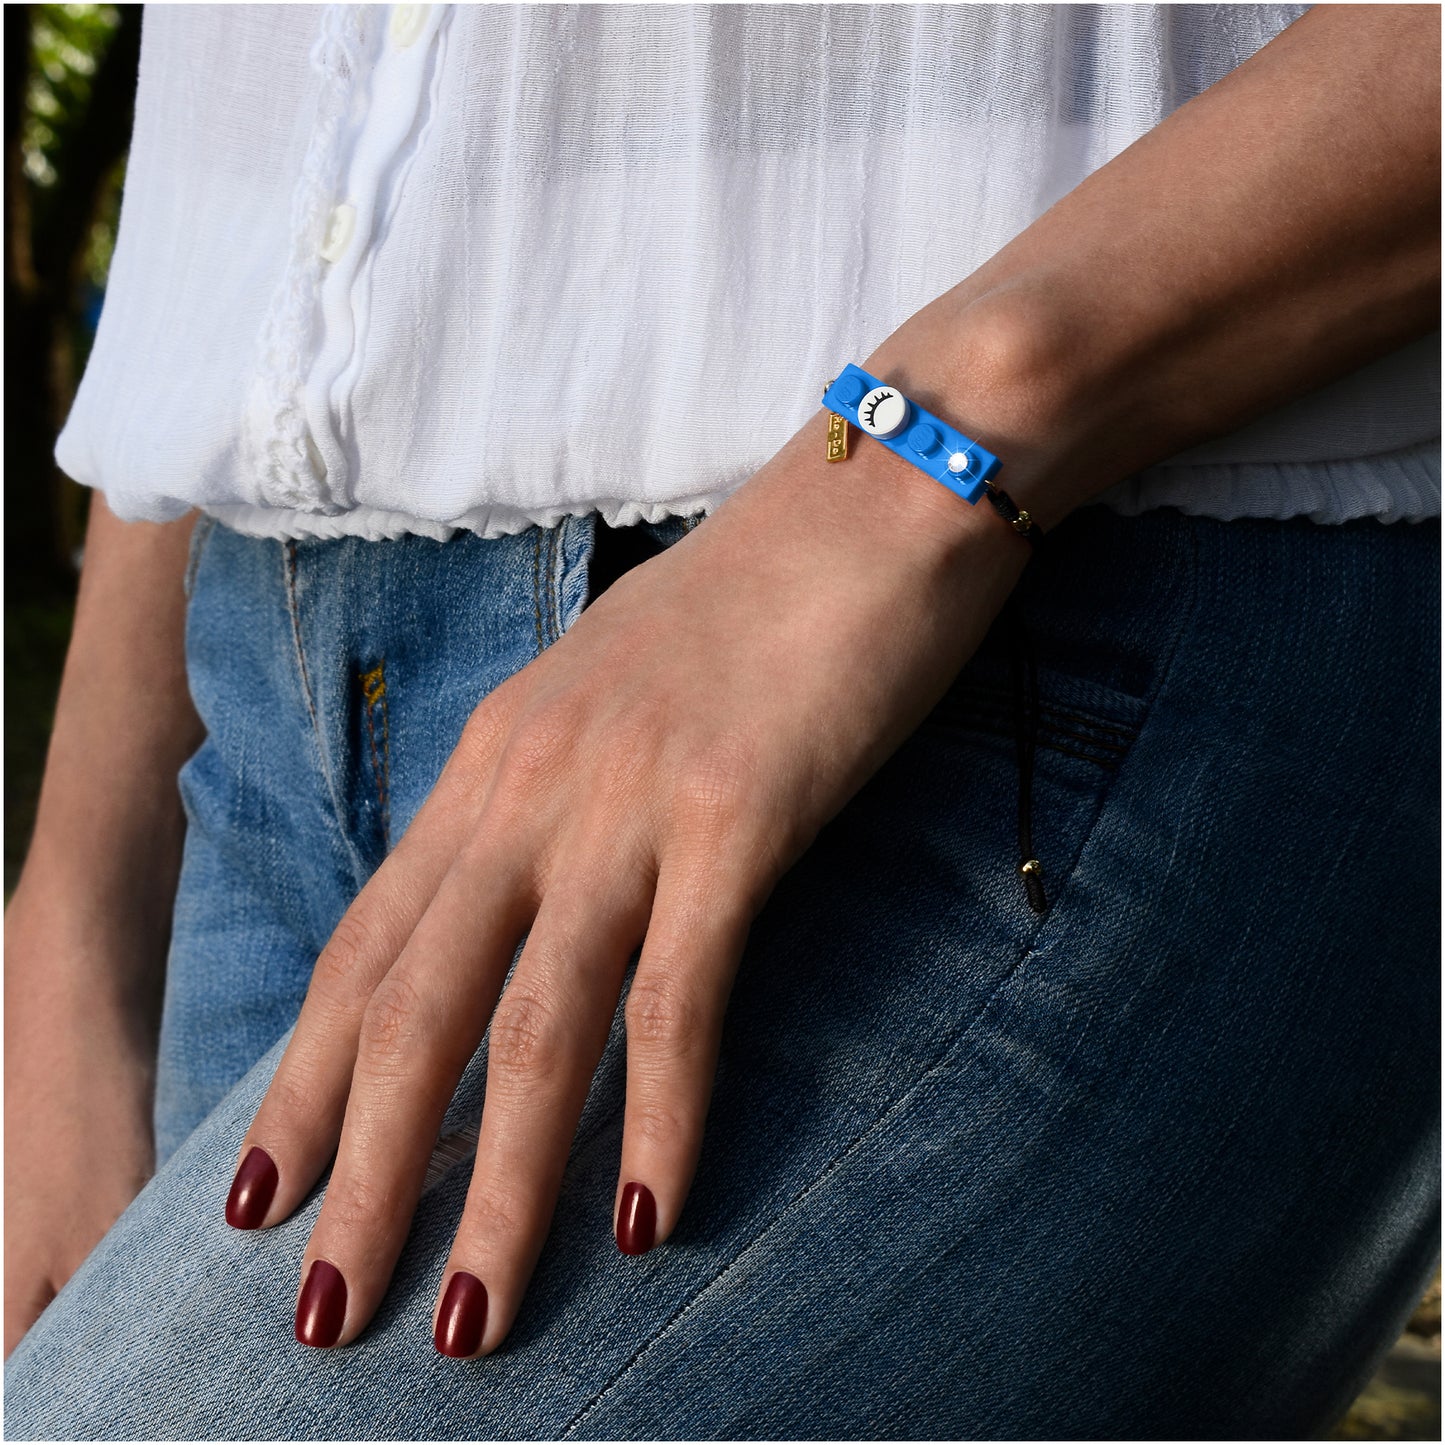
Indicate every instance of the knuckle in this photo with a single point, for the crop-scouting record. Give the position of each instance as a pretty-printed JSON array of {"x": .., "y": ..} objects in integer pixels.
[
  {"x": 494, "y": 1215},
  {"x": 661, "y": 1017},
  {"x": 340, "y": 973},
  {"x": 634, "y": 739},
  {"x": 527, "y": 1036},
  {"x": 360, "y": 1204},
  {"x": 713, "y": 791},
  {"x": 396, "y": 1020},
  {"x": 482, "y": 740},
  {"x": 294, "y": 1093},
  {"x": 651, "y": 1122},
  {"x": 537, "y": 745},
  {"x": 484, "y": 730}
]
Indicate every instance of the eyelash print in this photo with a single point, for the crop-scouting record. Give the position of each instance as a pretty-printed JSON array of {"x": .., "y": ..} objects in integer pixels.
[{"x": 875, "y": 404}]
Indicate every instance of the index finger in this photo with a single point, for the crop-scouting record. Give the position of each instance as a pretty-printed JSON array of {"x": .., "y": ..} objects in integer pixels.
[{"x": 294, "y": 1133}]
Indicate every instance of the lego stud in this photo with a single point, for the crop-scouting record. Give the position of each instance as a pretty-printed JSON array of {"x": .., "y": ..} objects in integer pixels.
[
  {"x": 923, "y": 439},
  {"x": 884, "y": 412},
  {"x": 958, "y": 462}
]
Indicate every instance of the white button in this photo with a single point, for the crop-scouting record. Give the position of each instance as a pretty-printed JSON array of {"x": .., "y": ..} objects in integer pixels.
[
  {"x": 958, "y": 462},
  {"x": 338, "y": 231},
  {"x": 407, "y": 22}
]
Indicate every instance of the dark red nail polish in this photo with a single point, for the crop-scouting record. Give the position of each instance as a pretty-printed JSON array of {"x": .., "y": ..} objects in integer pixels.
[
  {"x": 463, "y": 1316},
  {"x": 321, "y": 1310},
  {"x": 252, "y": 1191},
  {"x": 636, "y": 1220}
]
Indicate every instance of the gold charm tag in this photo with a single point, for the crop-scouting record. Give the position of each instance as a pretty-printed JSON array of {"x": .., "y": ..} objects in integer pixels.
[{"x": 837, "y": 437}]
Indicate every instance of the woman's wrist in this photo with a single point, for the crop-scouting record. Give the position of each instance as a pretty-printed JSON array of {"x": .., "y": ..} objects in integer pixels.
[
  {"x": 1245, "y": 275},
  {"x": 903, "y": 520},
  {"x": 1013, "y": 367},
  {"x": 98, "y": 886},
  {"x": 104, "y": 900}
]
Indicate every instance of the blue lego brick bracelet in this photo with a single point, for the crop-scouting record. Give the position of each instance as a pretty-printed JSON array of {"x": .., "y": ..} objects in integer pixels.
[{"x": 937, "y": 449}]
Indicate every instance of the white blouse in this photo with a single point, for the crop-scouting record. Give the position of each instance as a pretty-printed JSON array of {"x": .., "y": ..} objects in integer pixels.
[{"x": 410, "y": 268}]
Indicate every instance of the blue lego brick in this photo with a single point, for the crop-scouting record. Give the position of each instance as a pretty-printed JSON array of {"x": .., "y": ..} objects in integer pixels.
[{"x": 934, "y": 447}]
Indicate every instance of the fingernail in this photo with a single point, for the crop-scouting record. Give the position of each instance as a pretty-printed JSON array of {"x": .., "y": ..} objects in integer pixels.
[
  {"x": 252, "y": 1191},
  {"x": 321, "y": 1310},
  {"x": 636, "y": 1220},
  {"x": 462, "y": 1317}
]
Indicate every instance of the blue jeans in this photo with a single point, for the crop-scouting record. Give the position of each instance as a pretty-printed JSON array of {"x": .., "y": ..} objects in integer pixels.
[{"x": 1161, "y": 1162}]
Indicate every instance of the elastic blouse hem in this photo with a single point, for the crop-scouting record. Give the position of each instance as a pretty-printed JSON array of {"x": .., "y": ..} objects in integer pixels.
[
  {"x": 375, "y": 524},
  {"x": 1397, "y": 486}
]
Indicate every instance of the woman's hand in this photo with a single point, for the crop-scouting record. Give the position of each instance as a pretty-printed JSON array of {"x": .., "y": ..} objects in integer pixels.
[
  {"x": 654, "y": 773},
  {"x": 647, "y": 780}
]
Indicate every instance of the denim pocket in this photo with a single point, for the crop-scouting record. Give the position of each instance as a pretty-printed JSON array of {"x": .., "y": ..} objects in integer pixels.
[
  {"x": 1103, "y": 642},
  {"x": 1083, "y": 737},
  {"x": 1078, "y": 719}
]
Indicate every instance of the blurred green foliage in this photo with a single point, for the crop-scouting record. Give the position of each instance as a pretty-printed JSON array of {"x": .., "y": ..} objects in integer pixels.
[
  {"x": 67, "y": 45},
  {"x": 66, "y": 42},
  {"x": 70, "y": 75}
]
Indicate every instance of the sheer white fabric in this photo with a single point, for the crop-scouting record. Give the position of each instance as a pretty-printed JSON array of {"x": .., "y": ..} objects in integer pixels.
[{"x": 409, "y": 268}]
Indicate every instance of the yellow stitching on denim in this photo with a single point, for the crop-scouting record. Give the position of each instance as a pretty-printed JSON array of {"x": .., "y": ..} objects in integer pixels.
[
  {"x": 371, "y": 741},
  {"x": 373, "y": 683},
  {"x": 373, "y": 689}
]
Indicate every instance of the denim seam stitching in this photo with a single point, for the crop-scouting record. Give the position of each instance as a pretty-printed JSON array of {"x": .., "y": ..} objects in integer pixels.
[
  {"x": 995, "y": 726},
  {"x": 950, "y": 1047},
  {"x": 293, "y": 611},
  {"x": 200, "y": 535},
  {"x": 554, "y": 581},
  {"x": 537, "y": 588},
  {"x": 985, "y": 695},
  {"x": 1106, "y": 755},
  {"x": 572, "y": 560}
]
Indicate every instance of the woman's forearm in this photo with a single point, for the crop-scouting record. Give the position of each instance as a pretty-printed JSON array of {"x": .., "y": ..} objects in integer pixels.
[
  {"x": 102, "y": 867},
  {"x": 1278, "y": 231},
  {"x": 86, "y": 934}
]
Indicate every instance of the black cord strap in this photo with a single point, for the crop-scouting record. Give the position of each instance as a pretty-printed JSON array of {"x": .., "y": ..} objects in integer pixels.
[
  {"x": 1018, "y": 519},
  {"x": 1022, "y": 665},
  {"x": 1023, "y": 668},
  {"x": 1025, "y": 673}
]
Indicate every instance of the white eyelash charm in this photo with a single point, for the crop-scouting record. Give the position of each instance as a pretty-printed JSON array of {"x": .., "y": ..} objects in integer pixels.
[{"x": 883, "y": 412}]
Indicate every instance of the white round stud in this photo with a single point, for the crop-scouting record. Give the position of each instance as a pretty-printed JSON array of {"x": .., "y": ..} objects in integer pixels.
[
  {"x": 884, "y": 412},
  {"x": 958, "y": 462}
]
